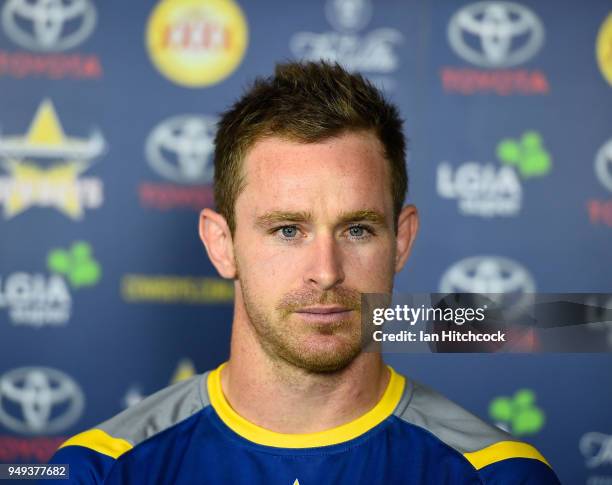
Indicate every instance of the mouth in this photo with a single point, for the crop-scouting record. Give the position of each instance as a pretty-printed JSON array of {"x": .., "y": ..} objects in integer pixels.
[{"x": 324, "y": 314}]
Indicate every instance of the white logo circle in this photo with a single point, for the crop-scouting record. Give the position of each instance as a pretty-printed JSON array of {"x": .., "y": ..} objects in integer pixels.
[
  {"x": 180, "y": 149},
  {"x": 48, "y": 25},
  {"x": 348, "y": 15},
  {"x": 603, "y": 165},
  {"x": 39, "y": 400},
  {"x": 495, "y": 34},
  {"x": 487, "y": 274}
]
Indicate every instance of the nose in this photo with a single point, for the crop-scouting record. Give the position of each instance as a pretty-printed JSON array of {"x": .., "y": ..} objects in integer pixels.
[{"x": 324, "y": 269}]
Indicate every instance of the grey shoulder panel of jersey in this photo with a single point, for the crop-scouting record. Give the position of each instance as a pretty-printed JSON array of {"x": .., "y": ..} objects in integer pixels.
[
  {"x": 159, "y": 411},
  {"x": 449, "y": 422}
]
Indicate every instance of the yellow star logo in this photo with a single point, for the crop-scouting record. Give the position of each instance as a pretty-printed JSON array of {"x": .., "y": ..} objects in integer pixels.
[
  {"x": 56, "y": 185},
  {"x": 46, "y": 129},
  {"x": 184, "y": 371}
]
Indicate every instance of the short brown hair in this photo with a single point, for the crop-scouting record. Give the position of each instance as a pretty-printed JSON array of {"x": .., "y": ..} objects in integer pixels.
[{"x": 306, "y": 102}]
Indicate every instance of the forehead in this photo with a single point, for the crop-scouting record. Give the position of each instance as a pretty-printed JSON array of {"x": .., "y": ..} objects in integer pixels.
[{"x": 348, "y": 171}]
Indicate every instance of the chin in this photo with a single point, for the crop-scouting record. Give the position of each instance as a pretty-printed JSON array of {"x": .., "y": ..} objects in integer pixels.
[{"x": 325, "y": 354}]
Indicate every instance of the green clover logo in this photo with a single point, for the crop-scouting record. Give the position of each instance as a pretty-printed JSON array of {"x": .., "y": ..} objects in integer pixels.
[
  {"x": 527, "y": 154},
  {"x": 76, "y": 264},
  {"x": 519, "y": 412}
]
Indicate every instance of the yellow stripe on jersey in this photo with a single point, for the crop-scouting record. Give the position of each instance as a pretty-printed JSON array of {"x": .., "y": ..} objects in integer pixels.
[
  {"x": 503, "y": 450},
  {"x": 98, "y": 440},
  {"x": 383, "y": 409}
]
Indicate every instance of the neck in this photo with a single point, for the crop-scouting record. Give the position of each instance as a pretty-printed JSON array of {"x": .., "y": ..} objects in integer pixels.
[{"x": 281, "y": 397}]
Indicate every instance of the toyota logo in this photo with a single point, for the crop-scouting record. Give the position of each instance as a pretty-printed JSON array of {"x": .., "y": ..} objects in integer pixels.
[
  {"x": 39, "y": 400},
  {"x": 495, "y": 34},
  {"x": 504, "y": 281},
  {"x": 48, "y": 25},
  {"x": 180, "y": 149},
  {"x": 487, "y": 274},
  {"x": 603, "y": 165}
]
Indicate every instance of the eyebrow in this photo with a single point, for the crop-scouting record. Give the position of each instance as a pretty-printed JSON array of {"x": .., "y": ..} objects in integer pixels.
[
  {"x": 276, "y": 217},
  {"x": 368, "y": 215}
]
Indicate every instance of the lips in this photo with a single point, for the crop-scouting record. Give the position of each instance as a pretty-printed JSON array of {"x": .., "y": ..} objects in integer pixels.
[{"x": 324, "y": 314}]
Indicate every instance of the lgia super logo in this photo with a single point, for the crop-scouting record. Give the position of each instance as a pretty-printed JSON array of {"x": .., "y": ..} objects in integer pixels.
[
  {"x": 45, "y": 297},
  {"x": 495, "y": 190}
]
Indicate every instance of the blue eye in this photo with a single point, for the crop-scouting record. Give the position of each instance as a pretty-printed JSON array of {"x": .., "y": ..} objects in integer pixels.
[
  {"x": 289, "y": 232},
  {"x": 357, "y": 231}
]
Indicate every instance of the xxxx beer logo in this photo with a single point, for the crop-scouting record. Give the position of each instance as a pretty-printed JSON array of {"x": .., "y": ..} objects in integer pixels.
[
  {"x": 604, "y": 49},
  {"x": 43, "y": 168},
  {"x": 197, "y": 43}
]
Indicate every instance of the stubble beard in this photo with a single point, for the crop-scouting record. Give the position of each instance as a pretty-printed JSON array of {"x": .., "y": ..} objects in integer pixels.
[{"x": 284, "y": 337}]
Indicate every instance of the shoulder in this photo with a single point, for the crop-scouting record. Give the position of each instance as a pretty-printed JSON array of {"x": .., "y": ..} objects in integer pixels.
[
  {"x": 92, "y": 453},
  {"x": 496, "y": 456}
]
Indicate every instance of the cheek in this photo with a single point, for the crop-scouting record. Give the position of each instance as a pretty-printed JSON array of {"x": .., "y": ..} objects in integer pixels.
[
  {"x": 373, "y": 263},
  {"x": 266, "y": 268}
]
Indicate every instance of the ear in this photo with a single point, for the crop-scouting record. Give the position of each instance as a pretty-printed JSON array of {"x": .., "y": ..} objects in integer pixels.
[
  {"x": 407, "y": 228},
  {"x": 217, "y": 239}
]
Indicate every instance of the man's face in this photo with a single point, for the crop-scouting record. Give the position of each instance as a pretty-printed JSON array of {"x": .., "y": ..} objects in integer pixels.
[{"x": 314, "y": 229}]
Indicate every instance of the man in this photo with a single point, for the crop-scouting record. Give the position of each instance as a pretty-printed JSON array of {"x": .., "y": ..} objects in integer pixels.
[{"x": 310, "y": 181}]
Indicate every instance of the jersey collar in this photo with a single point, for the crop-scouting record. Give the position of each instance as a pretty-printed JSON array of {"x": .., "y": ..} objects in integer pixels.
[{"x": 345, "y": 432}]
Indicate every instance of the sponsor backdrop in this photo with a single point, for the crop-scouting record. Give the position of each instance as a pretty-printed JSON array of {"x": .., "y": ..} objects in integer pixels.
[{"x": 107, "y": 116}]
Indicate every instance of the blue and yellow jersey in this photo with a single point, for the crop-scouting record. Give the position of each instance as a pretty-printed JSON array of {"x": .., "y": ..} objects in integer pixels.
[{"x": 189, "y": 434}]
